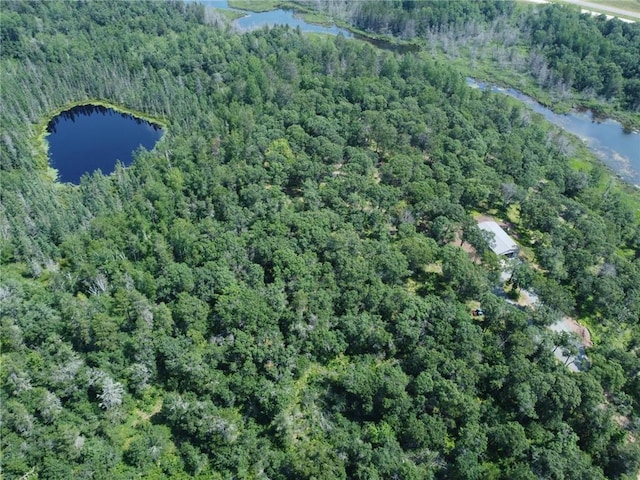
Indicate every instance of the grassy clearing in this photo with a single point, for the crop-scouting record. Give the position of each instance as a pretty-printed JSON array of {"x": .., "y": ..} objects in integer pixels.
[
  {"x": 311, "y": 15},
  {"x": 255, "y": 5},
  {"x": 316, "y": 18},
  {"x": 594, "y": 327},
  {"x": 144, "y": 409},
  {"x": 629, "y": 197},
  {"x": 230, "y": 15},
  {"x": 301, "y": 418},
  {"x": 584, "y": 161},
  {"x": 433, "y": 268}
]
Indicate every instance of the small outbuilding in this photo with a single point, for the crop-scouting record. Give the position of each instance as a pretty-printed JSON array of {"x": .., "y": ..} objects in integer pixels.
[{"x": 501, "y": 243}]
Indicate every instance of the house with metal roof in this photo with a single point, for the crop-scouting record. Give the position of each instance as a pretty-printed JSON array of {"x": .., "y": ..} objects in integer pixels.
[{"x": 501, "y": 243}]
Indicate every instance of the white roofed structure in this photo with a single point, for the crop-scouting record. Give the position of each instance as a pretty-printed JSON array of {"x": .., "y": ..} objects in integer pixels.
[{"x": 502, "y": 243}]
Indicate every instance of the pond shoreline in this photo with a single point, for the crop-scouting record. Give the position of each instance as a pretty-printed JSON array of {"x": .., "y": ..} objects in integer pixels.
[{"x": 41, "y": 145}]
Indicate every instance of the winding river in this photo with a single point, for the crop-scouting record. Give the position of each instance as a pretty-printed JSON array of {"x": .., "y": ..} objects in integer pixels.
[{"x": 607, "y": 139}]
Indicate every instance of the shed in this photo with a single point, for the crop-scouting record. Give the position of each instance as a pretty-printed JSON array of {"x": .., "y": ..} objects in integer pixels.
[{"x": 502, "y": 243}]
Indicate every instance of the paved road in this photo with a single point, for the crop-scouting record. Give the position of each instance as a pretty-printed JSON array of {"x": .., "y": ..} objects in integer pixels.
[
  {"x": 604, "y": 8},
  {"x": 595, "y": 6}
]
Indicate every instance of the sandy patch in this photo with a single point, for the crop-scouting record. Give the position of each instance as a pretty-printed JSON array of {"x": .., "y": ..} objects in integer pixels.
[
  {"x": 481, "y": 217},
  {"x": 570, "y": 325},
  {"x": 528, "y": 299},
  {"x": 475, "y": 258}
]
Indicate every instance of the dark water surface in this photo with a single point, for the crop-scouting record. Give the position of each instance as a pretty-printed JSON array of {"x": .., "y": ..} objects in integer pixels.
[{"x": 90, "y": 137}]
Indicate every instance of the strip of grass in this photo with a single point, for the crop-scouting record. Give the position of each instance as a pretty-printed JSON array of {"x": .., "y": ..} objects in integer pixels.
[
  {"x": 230, "y": 15},
  {"x": 633, "y": 7},
  {"x": 316, "y": 18},
  {"x": 255, "y": 5}
]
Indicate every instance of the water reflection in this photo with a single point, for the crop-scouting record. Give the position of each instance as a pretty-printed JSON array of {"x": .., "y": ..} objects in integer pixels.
[
  {"x": 286, "y": 17},
  {"x": 618, "y": 148},
  {"x": 87, "y": 110},
  {"x": 255, "y": 20},
  {"x": 87, "y": 138}
]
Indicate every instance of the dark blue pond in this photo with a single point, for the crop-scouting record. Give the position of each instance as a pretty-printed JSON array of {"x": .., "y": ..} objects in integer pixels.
[{"x": 90, "y": 137}]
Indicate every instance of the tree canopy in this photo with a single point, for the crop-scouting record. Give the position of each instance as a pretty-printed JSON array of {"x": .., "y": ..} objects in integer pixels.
[{"x": 277, "y": 289}]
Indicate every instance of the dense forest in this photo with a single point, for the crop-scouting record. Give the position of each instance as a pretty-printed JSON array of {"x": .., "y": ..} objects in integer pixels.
[
  {"x": 277, "y": 290},
  {"x": 557, "y": 46}
]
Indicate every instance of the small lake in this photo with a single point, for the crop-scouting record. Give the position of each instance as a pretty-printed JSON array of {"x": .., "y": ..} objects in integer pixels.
[
  {"x": 607, "y": 139},
  {"x": 91, "y": 137}
]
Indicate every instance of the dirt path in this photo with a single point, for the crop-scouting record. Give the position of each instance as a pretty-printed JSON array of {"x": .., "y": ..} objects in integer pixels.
[
  {"x": 481, "y": 217},
  {"x": 570, "y": 325},
  {"x": 529, "y": 299}
]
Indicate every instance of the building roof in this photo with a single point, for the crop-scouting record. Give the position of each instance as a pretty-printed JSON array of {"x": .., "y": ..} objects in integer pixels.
[{"x": 502, "y": 244}]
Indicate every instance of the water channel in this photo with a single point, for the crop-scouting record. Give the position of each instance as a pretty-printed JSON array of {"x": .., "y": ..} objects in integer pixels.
[
  {"x": 254, "y": 20},
  {"x": 607, "y": 139}
]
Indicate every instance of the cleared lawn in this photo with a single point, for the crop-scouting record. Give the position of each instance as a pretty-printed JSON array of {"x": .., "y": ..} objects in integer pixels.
[{"x": 255, "y": 5}]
